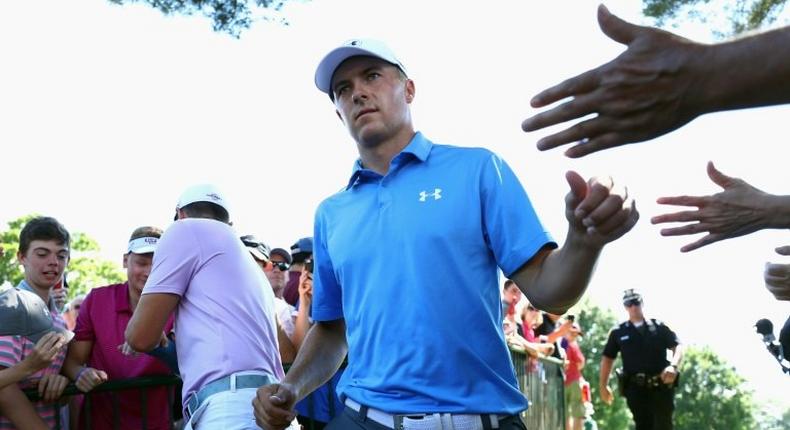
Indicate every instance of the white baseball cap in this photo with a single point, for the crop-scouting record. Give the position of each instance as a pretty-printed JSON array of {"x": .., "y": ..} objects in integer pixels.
[
  {"x": 202, "y": 193},
  {"x": 351, "y": 48}
]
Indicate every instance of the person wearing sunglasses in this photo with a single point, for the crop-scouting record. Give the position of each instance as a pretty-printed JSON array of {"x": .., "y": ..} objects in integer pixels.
[
  {"x": 277, "y": 272},
  {"x": 648, "y": 378}
]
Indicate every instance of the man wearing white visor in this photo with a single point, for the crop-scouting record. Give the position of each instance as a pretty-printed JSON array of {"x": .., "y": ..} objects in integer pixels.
[
  {"x": 99, "y": 351},
  {"x": 226, "y": 335}
]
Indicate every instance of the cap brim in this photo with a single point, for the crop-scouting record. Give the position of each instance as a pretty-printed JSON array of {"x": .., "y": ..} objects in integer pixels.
[
  {"x": 284, "y": 254},
  {"x": 257, "y": 254},
  {"x": 35, "y": 337},
  {"x": 148, "y": 249}
]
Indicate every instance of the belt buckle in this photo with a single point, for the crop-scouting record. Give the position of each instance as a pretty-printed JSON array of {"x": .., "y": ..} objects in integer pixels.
[
  {"x": 397, "y": 420},
  {"x": 188, "y": 410}
]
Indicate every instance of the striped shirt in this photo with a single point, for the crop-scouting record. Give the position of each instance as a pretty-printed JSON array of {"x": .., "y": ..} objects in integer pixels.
[{"x": 14, "y": 349}]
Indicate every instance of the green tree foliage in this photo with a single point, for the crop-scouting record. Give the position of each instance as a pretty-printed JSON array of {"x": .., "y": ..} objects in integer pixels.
[
  {"x": 596, "y": 323},
  {"x": 743, "y": 15},
  {"x": 771, "y": 420},
  {"x": 10, "y": 270},
  {"x": 228, "y": 16},
  {"x": 711, "y": 395},
  {"x": 85, "y": 270}
]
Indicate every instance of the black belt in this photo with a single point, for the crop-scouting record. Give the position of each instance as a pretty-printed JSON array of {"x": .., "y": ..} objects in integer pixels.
[{"x": 644, "y": 380}]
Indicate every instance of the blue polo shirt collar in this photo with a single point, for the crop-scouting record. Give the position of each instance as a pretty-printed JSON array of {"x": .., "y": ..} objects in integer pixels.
[{"x": 419, "y": 148}]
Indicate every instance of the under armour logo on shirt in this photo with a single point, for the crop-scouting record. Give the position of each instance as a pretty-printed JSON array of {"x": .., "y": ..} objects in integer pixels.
[{"x": 436, "y": 194}]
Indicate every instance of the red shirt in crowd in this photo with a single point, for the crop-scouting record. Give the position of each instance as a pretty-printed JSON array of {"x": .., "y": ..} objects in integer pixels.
[{"x": 102, "y": 320}]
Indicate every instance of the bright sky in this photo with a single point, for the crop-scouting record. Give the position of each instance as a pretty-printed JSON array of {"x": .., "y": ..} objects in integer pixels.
[{"x": 108, "y": 112}]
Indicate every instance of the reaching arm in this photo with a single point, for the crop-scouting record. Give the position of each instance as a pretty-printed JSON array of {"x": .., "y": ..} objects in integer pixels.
[
  {"x": 318, "y": 359},
  {"x": 302, "y": 324},
  {"x": 561, "y": 331},
  {"x": 738, "y": 210},
  {"x": 86, "y": 378},
  {"x": 554, "y": 280},
  {"x": 148, "y": 322},
  {"x": 15, "y": 406},
  {"x": 42, "y": 355},
  {"x": 660, "y": 83},
  {"x": 78, "y": 354}
]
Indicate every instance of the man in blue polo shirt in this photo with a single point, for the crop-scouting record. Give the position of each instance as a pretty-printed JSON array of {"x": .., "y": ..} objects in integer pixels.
[{"x": 443, "y": 219}]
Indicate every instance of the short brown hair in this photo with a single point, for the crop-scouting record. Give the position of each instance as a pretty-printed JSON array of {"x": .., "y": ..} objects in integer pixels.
[
  {"x": 43, "y": 228},
  {"x": 146, "y": 231},
  {"x": 207, "y": 210}
]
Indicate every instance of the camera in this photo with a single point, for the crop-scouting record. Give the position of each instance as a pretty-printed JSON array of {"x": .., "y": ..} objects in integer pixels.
[
  {"x": 778, "y": 349},
  {"x": 308, "y": 264}
]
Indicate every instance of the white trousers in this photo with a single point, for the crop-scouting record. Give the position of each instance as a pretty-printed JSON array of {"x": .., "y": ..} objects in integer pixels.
[{"x": 228, "y": 410}]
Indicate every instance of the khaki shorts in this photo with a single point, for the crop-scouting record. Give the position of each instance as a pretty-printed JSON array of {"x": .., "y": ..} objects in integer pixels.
[{"x": 574, "y": 407}]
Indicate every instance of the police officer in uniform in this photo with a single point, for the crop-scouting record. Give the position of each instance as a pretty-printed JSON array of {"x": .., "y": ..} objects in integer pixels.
[{"x": 648, "y": 379}]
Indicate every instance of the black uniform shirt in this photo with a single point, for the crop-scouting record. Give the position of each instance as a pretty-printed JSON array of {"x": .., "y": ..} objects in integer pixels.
[{"x": 642, "y": 353}]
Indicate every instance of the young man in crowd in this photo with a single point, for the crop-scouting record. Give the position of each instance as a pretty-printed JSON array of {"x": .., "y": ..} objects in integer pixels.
[{"x": 44, "y": 246}]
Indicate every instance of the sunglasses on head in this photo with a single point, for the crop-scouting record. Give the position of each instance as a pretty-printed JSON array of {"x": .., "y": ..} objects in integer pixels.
[
  {"x": 282, "y": 265},
  {"x": 633, "y": 302}
]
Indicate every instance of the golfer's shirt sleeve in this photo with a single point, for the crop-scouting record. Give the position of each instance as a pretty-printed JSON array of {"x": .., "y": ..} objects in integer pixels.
[
  {"x": 175, "y": 260},
  {"x": 511, "y": 227}
]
